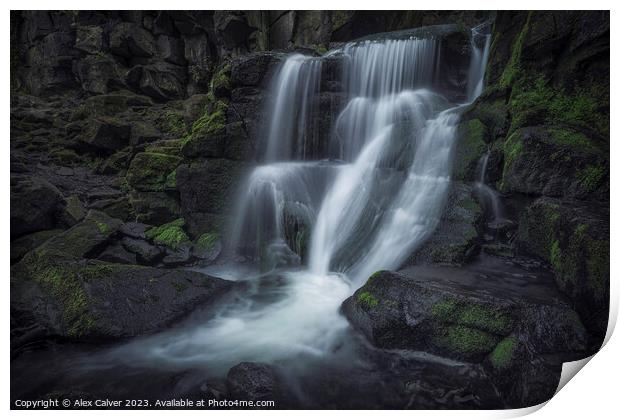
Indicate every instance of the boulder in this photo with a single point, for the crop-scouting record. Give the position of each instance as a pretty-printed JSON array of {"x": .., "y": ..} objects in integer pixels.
[
  {"x": 100, "y": 73},
  {"x": 145, "y": 252},
  {"x": 251, "y": 69},
  {"x": 456, "y": 239},
  {"x": 149, "y": 171},
  {"x": 35, "y": 205},
  {"x": 508, "y": 332},
  {"x": 130, "y": 40},
  {"x": 107, "y": 134},
  {"x": 556, "y": 162},
  {"x": 252, "y": 381},
  {"x": 116, "y": 253},
  {"x": 94, "y": 301},
  {"x": 574, "y": 238},
  {"x": 21, "y": 246},
  {"x": 89, "y": 39},
  {"x": 471, "y": 146}
]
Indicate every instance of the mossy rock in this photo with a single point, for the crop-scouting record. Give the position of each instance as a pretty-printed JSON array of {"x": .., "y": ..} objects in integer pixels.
[
  {"x": 472, "y": 137},
  {"x": 170, "y": 234},
  {"x": 150, "y": 171}
]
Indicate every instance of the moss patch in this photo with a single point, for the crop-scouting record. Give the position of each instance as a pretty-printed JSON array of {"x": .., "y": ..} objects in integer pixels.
[
  {"x": 170, "y": 234},
  {"x": 468, "y": 342},
  {"x": 367, "y": 299},
  {"x": 207, "y": 241},
  {"x": 504, "y": 353},
  {"x": 474, "y": 315}
]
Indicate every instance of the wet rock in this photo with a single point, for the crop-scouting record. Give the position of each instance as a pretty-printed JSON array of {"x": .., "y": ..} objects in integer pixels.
[
  {"x": 207, "y": 247},
  {"x": 35, "y": 205},
  {"x": 574, "y": 238},
  {"x": 252, "y": 381},
  {"x": 154, "y": 207},
  {"x": 92, "y": 300},
  {"x": 470, "y": 148},
  {"x": 162, "y": 81},
  {"x": 100, "y": 73},
  {"x": 177, "y": 256},
  {"x": 456, "y": 239}
]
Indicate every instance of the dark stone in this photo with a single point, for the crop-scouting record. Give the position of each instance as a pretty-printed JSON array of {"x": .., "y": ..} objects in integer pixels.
[
  {"x": 129, "y": 40},
  {"x": 107, "y": 134},
  {"x": 35, "y": 205},
  {"x": 232, "y": 27},
  {"x": 30, "y": 241},
  {"x": 252, "y": 381},
  {"x": 89, "y": 39},
  {"x": 104, "y": 301},
  {"x": 117, "y": 254},
  {"x": 179, "y": 256},
  {"x": 134, "y": 229},
  {"x": 251, "y": 69},
  {"x": 574, "y": 238},
  {"x": 456, "y": 239},
  {"x": 146, "y": 253}
]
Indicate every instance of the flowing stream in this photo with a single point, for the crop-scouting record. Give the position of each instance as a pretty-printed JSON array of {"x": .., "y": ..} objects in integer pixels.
[{"x": 366, "y": 199}]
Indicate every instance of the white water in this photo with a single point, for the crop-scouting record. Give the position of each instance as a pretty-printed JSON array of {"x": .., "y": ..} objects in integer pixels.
[
  {"x": 369, "y": 209},
  {"x": 488, "y": 194}
]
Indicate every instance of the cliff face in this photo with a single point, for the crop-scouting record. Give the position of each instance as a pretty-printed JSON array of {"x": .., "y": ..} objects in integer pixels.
[{"x": 544, "y": 116}]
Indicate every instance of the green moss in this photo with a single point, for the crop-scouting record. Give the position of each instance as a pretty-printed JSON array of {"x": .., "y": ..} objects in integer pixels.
[
  {"x": 513, "y": 67},
  {"x": 221, "y": 79},
  {"x": 513, "y": 147},
  {"x": 468, "y": 342},
  {"x": 173, "y": 124},
  {"x": 170, "y": 234},
  {"x": 367, "y": 299},
  {"x": 207, "y": 241},
  {"x": 474, "y": 315},
  {"x": 570, "y": 138},
  {"x": 504, "y": 353},
  {"x": 103, "y": 227},
  {"x": 171, "y": 180},
  {"x": 150, "y": 171},
  {"x": 470, "y": 148},
  {"x": 591, "y": 176},
  {"x": 556, "y": 255}
]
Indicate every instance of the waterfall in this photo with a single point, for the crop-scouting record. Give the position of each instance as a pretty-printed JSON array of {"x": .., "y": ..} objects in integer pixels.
[
  {"x": 477, "y": 66},
  {"x": 373, "y": 195},
  {"x": 487, "y": 194}
]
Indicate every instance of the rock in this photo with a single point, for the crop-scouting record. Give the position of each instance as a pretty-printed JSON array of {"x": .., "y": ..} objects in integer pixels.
[
  {"x": 232, "y": 27},
  {"x": 107, "y": 134},
  {"x": 252, "y": 381},
  {"x": 89, "y": 39},
  {"x": 574, "y": 238},
  {"x": 162, "y": 81},
  {"x": 555, "y": 162},
  {"x": 49, "y": 64},
  {"x": 117, "y": 254},
  {"x": 30, "y": 241},
  {"x": 508, "y": 332},
  {"x": 251, "y": 69},
  {"x": 146, "y": 253},
  {"x": 154, "y": 207},
  {"x": 100, "y": 73},
  {"x": 213, "y": 178},
  {"x": 74, "y": 210},
  {"x": 35, "y": 205},
  {"x": 455, "y": 240},
  {"x": 207, "y": 247},
  {"x": 179, "y": 256},
  {"x": 149, "y": 171},
  {"x": 470, "y": 148},
  {"x": 171, "y": 49},
  {"x": 94, "y": 301},
  {"x": 85, "y": 238},
  {"x": 143, "y": 133},
  {"x": 134, "y": 229},
  {"x": 129, "y": 40}
]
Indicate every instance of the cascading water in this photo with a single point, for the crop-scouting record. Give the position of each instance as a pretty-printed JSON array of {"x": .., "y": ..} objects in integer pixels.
[
  {"x": 375, "y": 196},
  {"x": 488, "y": 195}
]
